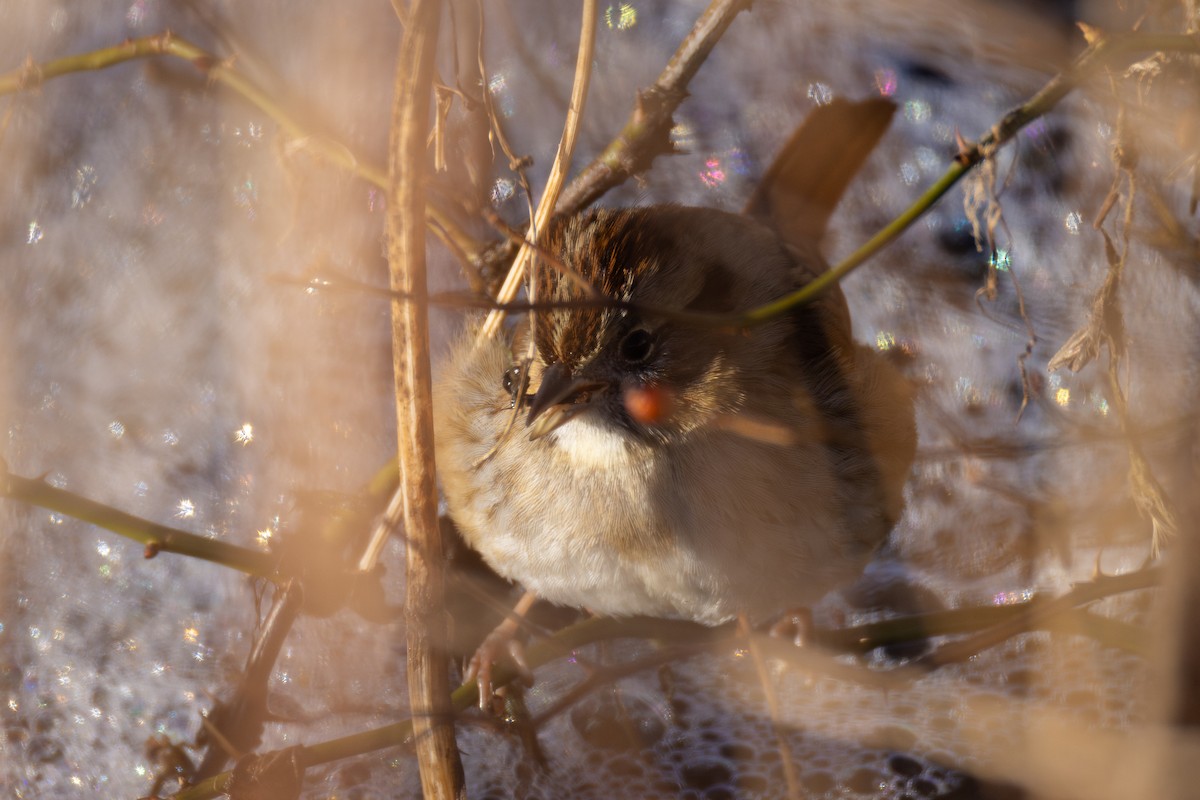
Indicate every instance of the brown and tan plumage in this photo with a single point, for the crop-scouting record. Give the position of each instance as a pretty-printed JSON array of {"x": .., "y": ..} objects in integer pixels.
[{"x": 776, "y": 467}]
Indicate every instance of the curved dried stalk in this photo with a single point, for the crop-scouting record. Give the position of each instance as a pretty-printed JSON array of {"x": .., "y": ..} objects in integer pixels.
[{"x": 558, "y": 172}]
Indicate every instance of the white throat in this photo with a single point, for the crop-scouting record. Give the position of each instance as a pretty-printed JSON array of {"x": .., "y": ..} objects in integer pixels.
[{"x": 587, "y": 442}]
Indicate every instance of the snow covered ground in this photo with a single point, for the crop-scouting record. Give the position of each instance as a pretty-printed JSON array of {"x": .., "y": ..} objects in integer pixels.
[{"x": 152, "y": 360}]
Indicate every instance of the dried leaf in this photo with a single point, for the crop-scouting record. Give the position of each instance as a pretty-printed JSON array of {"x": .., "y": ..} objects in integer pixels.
[
  {"x": 1152, "y": 501},
  {"x": 1106, "y": 323},
  {"x": 1091, "y": 34},
  {"x": 1080, "y": 350}
]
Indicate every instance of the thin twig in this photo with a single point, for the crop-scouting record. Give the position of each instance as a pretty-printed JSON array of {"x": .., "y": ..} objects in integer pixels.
[
  {"x": 687, "y": 638},
  {"x": 1148, "y": 494},
  {"x": 428, "y": 674},
  {"x": 1095, "y": 56},
  {"x": 157, "y": 538},
  {"x": 647, "y": 134},
  {"x": 980, "y": 195},
  {"x": 518, "y": 239},
  {"x": 773, "y": 710},
  {"x": 31, "y": 76},
  {"x": 518, "y": 164},
  {"x": 558, "y": 172},
  {"x": 332, "y": 280},
  {"x": 390, "y": 522},
  {"x": 235, "y": 726},
  {"x": 1041, "y": 613}
]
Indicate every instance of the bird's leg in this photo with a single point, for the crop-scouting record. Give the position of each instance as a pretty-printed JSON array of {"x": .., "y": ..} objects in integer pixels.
[
  {"x": 501, "y": 643},
  {"x": 517, "y": 715},
  {"x": 795, "y": 624}
]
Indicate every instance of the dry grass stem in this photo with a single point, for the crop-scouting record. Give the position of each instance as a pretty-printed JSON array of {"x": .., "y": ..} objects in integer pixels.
[
  {"x": 428, "y": 673},
  {"x": 558, "y": 172}
]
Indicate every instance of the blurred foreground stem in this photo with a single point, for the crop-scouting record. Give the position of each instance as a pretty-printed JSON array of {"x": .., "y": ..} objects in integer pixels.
[
  {"x": 157, "y": 538},
  {"x": 427, "y": 658},
  {"x": 30, "y": 76}
]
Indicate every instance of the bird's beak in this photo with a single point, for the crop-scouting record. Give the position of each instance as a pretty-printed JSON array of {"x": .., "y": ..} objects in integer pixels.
[{"x": 560, "y": 397}]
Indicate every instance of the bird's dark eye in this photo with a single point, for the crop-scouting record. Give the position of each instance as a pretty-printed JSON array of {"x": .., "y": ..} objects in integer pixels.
[
  {"x": 511, "y": 379},
  {"x": 637, "y": 346}
]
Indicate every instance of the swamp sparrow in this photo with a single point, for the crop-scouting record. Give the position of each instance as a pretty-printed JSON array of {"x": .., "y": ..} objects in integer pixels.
[{"x": 639, "y": 463}]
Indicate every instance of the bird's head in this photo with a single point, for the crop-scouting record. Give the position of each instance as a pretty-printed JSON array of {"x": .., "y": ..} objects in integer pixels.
[{"x": 651, "y": 375}]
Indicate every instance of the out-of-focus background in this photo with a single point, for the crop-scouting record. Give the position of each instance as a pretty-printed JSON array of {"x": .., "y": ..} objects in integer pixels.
[{"x": 152, "y": 359}]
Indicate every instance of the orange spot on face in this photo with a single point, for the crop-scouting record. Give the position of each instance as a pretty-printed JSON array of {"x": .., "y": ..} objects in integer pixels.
[{"x": 648, "y": 405}]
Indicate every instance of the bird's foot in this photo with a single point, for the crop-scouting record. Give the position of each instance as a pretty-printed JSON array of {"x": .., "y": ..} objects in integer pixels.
[{"x": 501, "y": 647}]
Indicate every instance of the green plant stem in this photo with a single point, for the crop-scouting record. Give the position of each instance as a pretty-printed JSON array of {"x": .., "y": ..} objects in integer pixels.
[
  {"x": 1108, "y": 631},
  {"x": 1098, "y": 54},
  {"x": 157, "y": 538},
  {"x": 1038, "y": 612},
  {"x": 1095, "y": 56},
  {"x": 32, "y": 75}
]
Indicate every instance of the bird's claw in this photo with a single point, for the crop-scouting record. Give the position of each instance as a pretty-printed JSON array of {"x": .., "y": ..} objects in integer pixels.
[{"x": 501, "y": 647}]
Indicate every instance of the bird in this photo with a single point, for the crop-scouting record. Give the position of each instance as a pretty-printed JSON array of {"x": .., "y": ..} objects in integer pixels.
[{"x": 625, "y": 459}]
